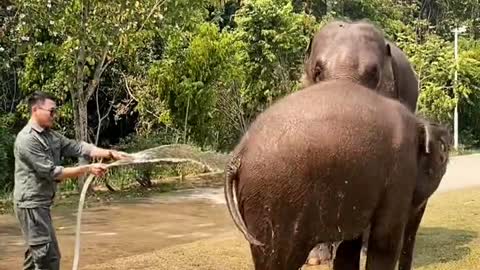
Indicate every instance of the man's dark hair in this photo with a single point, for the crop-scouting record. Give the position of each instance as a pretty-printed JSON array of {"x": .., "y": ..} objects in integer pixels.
[{"x": 38, "y": 97}]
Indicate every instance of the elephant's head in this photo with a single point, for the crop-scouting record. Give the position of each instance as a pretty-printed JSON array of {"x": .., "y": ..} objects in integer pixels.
[
  {"x": 356, "y": 51},
  {"x": 433, "y": 156}
]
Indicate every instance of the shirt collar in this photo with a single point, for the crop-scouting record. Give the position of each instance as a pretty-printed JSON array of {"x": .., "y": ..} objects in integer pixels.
[{"x": 36, "y": 127}]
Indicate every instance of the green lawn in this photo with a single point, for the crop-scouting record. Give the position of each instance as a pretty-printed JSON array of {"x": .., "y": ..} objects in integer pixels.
[
  {"x": 449, "y": 238},
  {"x": 464, "y": 152},
  {"x": 450, "y": 233}
]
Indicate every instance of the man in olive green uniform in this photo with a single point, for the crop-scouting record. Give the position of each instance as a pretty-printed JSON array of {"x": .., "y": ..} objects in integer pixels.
[{"x": 38, "y": 153}]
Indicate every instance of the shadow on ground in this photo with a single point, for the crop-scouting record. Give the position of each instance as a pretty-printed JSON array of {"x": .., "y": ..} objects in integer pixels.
[{"x": 439, "y": 245}]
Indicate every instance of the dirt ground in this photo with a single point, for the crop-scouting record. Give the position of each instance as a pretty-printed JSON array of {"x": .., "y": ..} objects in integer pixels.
[
  {"x": 179, "y": 230},
  {"x": 127, "y": 228}
]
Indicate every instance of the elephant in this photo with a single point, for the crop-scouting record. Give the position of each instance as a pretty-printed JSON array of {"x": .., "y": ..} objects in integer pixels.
[
  {"x": 360, "y": 52},
  {"x": 294, "y": 178}
]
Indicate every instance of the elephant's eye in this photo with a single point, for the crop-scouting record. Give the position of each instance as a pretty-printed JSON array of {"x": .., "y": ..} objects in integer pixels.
[
  {"x": 443, "y": 153},
  {"x": 443, "y": 148},
  {"x": 372, "y": 75},
  {"x": 318, "y": 71},
  {"x": 373, "y": 71}
]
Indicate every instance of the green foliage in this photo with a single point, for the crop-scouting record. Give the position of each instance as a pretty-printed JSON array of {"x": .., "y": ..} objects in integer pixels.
[
  {"x": 185, "y": 83},
  {"x": 435, "y": 104},
  {"x": 136, "y": 143},
  {"x": 469, "y": 82},
  {"x": 434, "y": 64},
  {"x": 6, "y": 153},
  {"x": 275, "y": 50}
]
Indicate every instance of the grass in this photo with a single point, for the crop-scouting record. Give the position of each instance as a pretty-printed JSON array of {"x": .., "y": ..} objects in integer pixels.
[
  {"x": 449, "y": 238},
  {"x": 464, "y": 151},
  {"x": 450, "y": 234},
  {"x": 6, "y": 205}
]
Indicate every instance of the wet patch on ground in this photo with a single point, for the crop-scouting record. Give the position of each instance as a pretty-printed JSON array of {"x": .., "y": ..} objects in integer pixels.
[
  {"x": 127, "y": 228},
  {"x": 191, "y": 229}
]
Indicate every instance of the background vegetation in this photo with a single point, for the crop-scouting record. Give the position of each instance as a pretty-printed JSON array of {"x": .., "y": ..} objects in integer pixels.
[{"x": 136, "y": 74}]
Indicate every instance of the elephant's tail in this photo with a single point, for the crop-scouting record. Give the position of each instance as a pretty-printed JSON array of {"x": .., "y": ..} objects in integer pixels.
[{"x": 231, "y": 175}]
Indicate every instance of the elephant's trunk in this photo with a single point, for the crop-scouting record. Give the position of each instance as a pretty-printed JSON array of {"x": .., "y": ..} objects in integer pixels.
[{"x": 231, "y": 175}]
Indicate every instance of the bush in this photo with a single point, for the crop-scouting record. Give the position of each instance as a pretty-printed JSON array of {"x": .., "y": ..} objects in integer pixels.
[
  {"x": 138, "y": 142},
  {"x": 144, "y": 174},
  {"x": 6, "y": 160}
]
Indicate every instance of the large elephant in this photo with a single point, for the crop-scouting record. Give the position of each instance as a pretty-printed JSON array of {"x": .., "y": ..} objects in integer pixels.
[
  {"x": 360, "y": 52},
  {"x": 298, "y": 170}
]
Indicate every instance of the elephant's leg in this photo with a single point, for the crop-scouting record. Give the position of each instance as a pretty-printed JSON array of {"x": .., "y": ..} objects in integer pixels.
[
  {"x": 384, "y": 247},
  {"x": 260, "y": 256},
  {"x": 285, "y": 254},
  {"x": 386, "y": 234},
  {"x": 348, "y": 255},
  {"x": 411, "y": 229},
  {"x": 287, "y": 242}
]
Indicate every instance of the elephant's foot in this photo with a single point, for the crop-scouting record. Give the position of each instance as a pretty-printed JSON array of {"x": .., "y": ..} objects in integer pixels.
[{"x": 322, "y": 256}]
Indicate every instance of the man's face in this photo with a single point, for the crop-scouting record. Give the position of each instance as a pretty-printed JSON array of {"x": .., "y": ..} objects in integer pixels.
[{"x": 44, "y": 113}]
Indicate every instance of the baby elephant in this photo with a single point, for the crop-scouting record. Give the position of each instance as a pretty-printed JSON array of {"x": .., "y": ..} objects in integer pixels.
[{"x": 326, "y": 163}]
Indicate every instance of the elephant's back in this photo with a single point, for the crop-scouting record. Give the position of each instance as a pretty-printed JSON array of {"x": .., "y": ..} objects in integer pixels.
[
  {"x": 339, "y": 116},
  {"x": 406, "y": 80},
  {"x": 332, "y": 145}
]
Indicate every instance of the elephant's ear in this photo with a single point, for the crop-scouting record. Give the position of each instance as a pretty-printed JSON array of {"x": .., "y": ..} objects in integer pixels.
[
  {"x": 308, "y": 75},
  {"x": 308, "y": 50},
  {"x": 434, "y": 140},
  {"x": 387, "y": 74},
  {"x": 388, "y": 50}
]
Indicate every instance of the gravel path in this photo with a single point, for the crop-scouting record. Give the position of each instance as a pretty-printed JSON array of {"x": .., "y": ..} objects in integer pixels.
[{"x": 462, "y": 172}]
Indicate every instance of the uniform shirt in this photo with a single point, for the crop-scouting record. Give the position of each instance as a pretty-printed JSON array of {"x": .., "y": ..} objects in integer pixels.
[{"x": 38, "y": 153}]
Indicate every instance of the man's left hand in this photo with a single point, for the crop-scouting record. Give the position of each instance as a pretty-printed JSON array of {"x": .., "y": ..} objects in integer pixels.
[{"x": 118, "y": 155}]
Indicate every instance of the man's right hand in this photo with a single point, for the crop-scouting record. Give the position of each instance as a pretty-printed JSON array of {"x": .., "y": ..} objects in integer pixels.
[{"x": 98, "y": 169}]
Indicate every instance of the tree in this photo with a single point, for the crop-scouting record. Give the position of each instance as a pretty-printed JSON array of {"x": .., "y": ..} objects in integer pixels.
[
  {"x": 196, "y": 67},
  {"x": 82, "y": 39},
  {"x": 74, "y": 43},
  {"x": 275, "y": 50},
  {"x": 10, "y": 60}
]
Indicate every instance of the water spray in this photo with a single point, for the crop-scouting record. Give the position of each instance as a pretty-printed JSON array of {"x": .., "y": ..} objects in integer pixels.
[{"x": 134, "y": 160}]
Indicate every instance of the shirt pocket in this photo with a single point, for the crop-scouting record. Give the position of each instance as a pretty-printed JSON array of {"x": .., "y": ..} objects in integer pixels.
[{"x": 56, "y": 149}]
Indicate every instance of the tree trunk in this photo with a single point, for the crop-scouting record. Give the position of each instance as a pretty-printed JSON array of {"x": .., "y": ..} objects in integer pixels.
[
  {"x": 78, "y": 95},
  {"x": 80, "y": 119},
  {"x": 83, "y": 91},
  {"x": 81, "y": 126}
]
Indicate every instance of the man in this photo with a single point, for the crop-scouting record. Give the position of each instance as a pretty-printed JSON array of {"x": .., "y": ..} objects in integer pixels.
[{"x": 38, "y": 151}]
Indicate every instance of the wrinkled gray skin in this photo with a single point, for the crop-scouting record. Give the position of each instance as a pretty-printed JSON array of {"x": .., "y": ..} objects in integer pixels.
[
  {"x": 313, "y": 151},
  {"x": 359, "y": 51}
]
